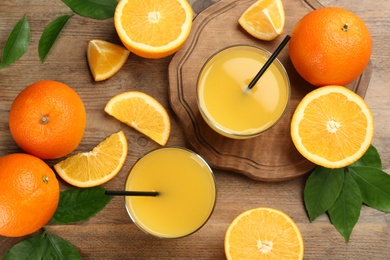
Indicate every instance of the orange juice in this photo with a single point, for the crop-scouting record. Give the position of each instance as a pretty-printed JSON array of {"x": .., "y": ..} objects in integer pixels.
[
  {"x": 186, "y": 187},
  {"x": 224, "y": 100}
]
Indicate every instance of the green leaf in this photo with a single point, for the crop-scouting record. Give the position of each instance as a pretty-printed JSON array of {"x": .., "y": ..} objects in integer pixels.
[
  {"x": 345, "y": 212},
  {"x": 31, "y": 248},
  {"x": 322, "y": 189},
  {"x": 50, "y": 35},
  {"x": 96, "y": 9},
  {"x": 374, "y": 185},
  {"x": 58, "y": 248},
  {"x": 44, "y": 246},
  {"x": 77, "y": 204},
  {"x": 17, "y": 43},
  {"x": 370, "y": 158}
]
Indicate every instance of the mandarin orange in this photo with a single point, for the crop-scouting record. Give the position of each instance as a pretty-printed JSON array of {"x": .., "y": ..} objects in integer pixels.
[
  {"x": 29, "y": 194},
  {"x": 330, "y": 46},
  {"x": 47, "y": 119}
]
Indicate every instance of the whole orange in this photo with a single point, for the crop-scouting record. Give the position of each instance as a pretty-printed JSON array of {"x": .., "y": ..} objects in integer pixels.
[
  {"x": 29, "y": 194},
  {"x": 330, "y": 46},
  {"x": 47, "y": 119}
]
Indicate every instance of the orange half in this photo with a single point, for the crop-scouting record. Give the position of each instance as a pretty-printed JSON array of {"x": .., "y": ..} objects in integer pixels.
[
  {"x": 332, "y": 127},
  {"x": 263, "y": 233},
  {"x": 153, "y": 28}
]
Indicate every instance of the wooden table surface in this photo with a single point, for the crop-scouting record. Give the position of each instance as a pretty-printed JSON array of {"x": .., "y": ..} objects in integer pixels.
[{"x": 111, "y": 234}]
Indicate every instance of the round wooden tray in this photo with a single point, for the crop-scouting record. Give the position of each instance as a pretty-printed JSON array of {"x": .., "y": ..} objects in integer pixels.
[{"x": 272, "y": 156}]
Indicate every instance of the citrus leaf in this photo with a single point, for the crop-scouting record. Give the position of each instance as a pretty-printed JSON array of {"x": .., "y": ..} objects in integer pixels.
[
  {"x": 370, "y": 158},
  {"x": 78, "y": 204},
  {"x": 58, "y": 248},
  {"x": 44, "y": 246},
  {"x": 17, "y": 43},
  {"x": 345, "y": 212},
  {"x": 31, "y": 248},
  {"x": 322, "y": 189},
  {"x": 374, "y": 185},
  {"x": 50, "y": 35},
  {"x": 96, "y": 9}
]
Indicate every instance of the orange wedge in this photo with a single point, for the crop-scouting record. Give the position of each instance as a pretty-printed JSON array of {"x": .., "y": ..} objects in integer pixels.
[
  {"x": 105, "y": 59},
  {"x": 264, "y": 19},
  {"x": 141, "y": 112},
  {"x": 263, "y": 233},
  {"x": 153, "y": 28},
  {"x": 332, "y": 127},
  {"x": 97, "y": 166}
]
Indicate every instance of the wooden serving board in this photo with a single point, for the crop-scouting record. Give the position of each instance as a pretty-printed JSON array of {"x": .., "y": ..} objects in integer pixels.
[{"x": 272, "y": 156}]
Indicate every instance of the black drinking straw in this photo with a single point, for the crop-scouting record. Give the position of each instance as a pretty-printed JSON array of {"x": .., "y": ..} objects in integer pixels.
[
  {"x": 269, "y": 62},
  {"x": 132, "y": 193}
]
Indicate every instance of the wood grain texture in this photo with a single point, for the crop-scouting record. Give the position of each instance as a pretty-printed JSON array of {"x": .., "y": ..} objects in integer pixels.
[
  {"x": 111, "y": 234},
  {"x": 271, "y": 156}
]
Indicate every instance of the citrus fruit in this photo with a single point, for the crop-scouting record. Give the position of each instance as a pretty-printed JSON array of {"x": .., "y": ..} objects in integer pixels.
[
  {"x": 29, "y": 194},
  {"x": 95, "y": 167},
  {"x": 153, "y": 28},
  {"x": 143, "y": 113},
  {"x": 264, "y": 19},
  {"x": 263, "y": 233},
  {"x": 105, "y": 59},
  {"x": 330, "y": 46},
  {"x": 47, "y": 119},
  {"x": 332, "y": 127}
]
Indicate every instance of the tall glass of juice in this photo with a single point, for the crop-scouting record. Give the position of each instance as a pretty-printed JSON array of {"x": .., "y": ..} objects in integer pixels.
[
  {"x": 226, "y": 103},
  {"x": 186, "y": 187}
]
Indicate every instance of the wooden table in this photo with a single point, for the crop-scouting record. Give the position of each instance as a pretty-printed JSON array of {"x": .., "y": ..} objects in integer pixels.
[{"x": 111, "y": 234}]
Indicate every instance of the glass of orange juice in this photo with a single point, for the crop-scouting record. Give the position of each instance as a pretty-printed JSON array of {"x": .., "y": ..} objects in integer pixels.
[
  {"x": 186, "y": 187},
  {"x": 226, "y": 103}
]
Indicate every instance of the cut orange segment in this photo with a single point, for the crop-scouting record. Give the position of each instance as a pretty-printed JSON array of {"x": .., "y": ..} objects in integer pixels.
[
  {"x": 97, "y": 166},
  {"x": 105, "y": 59},
  {"x": 264, "y": 19},
  {"x": 143, "y": 113},
  {"x": 153, "y": 28},
  {"x": 332, "y": 127},
  {"x": 263, "y": 233}
]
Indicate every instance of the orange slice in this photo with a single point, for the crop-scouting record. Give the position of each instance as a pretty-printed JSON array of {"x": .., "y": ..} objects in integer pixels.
[
  {"x": 97, "y": 166},
  {"x": 263, "y": 233},
  {"x": 332, "y": 127},
  {"x": 264, "y": 19},
  {"x": 141, "y": 112},
  {"x": 153, "y": 28},
  {"x": 105, "y": 59}
]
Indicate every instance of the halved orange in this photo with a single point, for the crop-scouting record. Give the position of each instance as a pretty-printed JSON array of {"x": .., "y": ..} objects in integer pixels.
[
  {"x": 97, "y": 166},
  {"x": 332, "y": 126},
  {"x": 153, "y": 28},
  {"x": 263, "y": 233},
  {"x": 141, "y": 112},
  {"x": 264, "y": 19},
  {"x": 105, "y": 59}
]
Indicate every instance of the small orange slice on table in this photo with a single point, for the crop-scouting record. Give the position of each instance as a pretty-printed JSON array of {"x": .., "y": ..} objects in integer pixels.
[
  {"x": 105, "y": 59},
  {"x": 141, "y": 112},
  {"x": 97, "y": 166},
  {"x": 153, "y": 28},
  {"x": 332, "y": 127},
  {"x": 263, "y": 233},
  {"x": 264, "y": 19}
]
